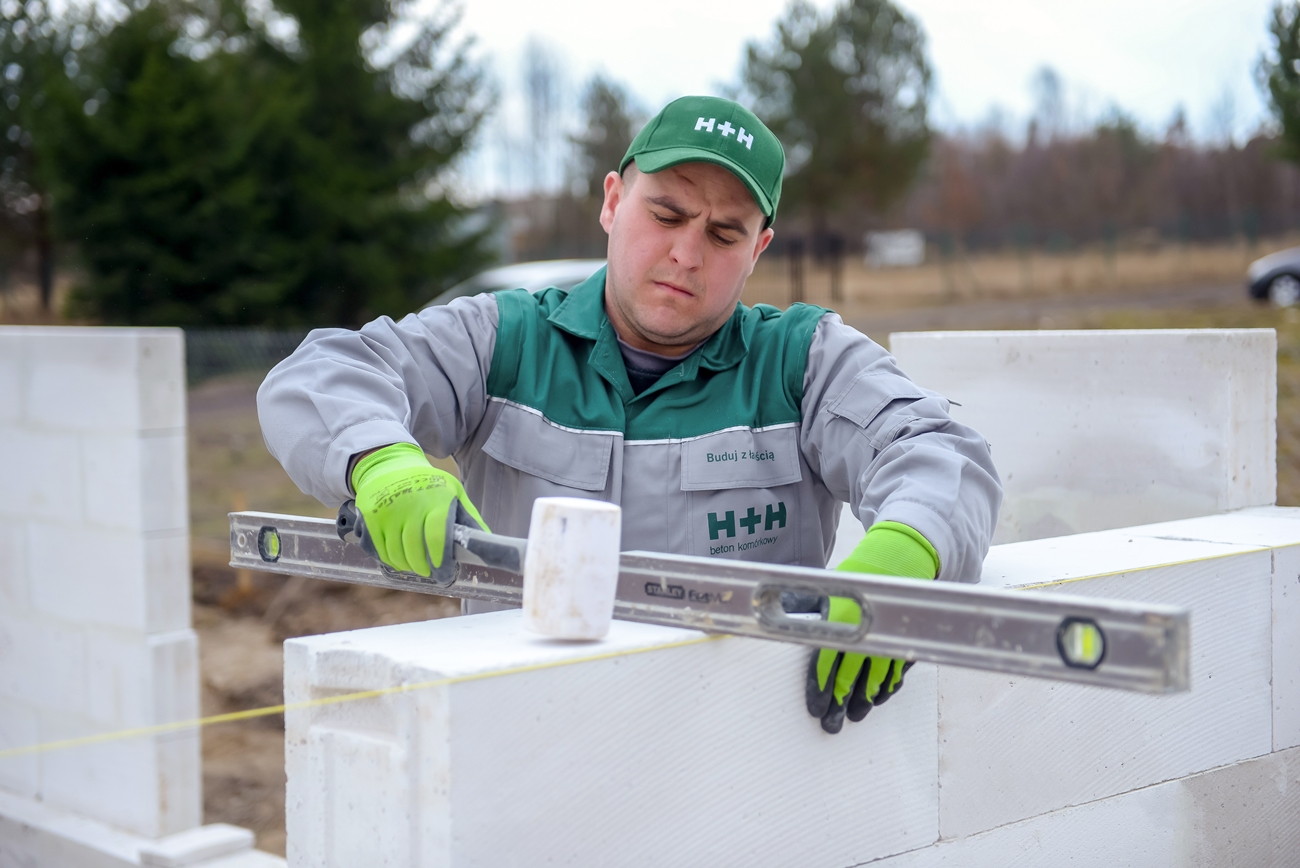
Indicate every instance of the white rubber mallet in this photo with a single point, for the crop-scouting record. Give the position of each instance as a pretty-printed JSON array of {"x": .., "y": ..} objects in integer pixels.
[{"x": 571, "y": 567}]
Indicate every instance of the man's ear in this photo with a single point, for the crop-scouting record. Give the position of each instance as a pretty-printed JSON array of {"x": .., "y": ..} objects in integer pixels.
[
  {"x": 764, "y": 239},
  {"x": 614, "y": 189}
]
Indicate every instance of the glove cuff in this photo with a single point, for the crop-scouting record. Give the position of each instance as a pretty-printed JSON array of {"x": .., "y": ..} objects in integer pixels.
[
  {"x": 398, "y": 456},
  {"x": 893, "y": 549}
]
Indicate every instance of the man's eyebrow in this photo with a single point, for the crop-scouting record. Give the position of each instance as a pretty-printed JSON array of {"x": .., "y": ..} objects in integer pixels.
[
  {"x": 733, "y": 224},
  {"x": 668, "y": 204}
]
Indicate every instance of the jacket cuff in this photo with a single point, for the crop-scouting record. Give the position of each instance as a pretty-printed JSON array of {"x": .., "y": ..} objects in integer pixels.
[
  {"x": 354, "y": 439},
  {"x": 933, "y": 528}
]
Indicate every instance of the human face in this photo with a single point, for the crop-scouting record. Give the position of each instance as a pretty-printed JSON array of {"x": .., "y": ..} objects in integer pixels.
[{"x": 682, "y": 242}]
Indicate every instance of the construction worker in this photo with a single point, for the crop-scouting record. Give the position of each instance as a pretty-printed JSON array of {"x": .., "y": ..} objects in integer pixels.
[{"x": 721, "y": 430}]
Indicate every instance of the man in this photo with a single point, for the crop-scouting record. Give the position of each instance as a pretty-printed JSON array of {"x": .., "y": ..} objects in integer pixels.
[{"x": 722, "y": 430}]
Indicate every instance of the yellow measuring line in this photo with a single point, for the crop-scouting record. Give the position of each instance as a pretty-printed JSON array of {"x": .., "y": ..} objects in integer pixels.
[{"x": 267, "y": 711}]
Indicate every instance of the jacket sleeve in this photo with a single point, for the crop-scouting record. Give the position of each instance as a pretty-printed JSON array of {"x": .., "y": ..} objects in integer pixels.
[
  {"x": 891, "y": 451},
  {"x": 422, "y": 380}
]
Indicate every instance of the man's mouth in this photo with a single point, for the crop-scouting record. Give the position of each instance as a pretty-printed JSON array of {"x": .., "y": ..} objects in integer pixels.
[{"x": 674, "y": 288}]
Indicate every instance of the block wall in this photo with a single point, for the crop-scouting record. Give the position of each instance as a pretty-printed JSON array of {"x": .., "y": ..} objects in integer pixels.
[
  {"x": 665, "y": 747},
  {"x": 94, "y": 573},
  {"x": 1102, "y": 429}
]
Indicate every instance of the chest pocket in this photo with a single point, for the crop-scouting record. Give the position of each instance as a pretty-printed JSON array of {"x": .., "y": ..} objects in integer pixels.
[
  {"x": 528, "y": 442},
  {"x": 741, "y": 458},
  {"x": 743, "y": 495}
]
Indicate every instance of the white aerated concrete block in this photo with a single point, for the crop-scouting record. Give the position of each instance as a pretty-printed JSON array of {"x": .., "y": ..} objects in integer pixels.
[
  {"x": 1279, "y": 528},
  {"x": 13, "y": 370},
  {"x": 112, "y": 578},
  {"x": 160, "y": 360},
  {"x": 149, "y": 786},
  {"x": 122, "y": 698},
  {"x": 135, "y": 482},
  {"x": 1013, "y": 748},
  {"x": 19, "y": 727},
  {"x": 100, "y": 379},
  {"x": 43, "y": 663},
  {"x": 94, "y": 582},
  {"x": 1028, "y": 772},
  {"x": 1246, "y": 814},
  {"x": 196, "y": 846},
  {"x": 88, "y": 576},
  {"x": 43, "y": 479},
  {"x": 654, "y": 747},
  {"x": 36, "y": 835},
  {"x": 167, "y": 601},
  {"x": 1286, "y": 647},
  {"x": 13, "y": 567},
  {"x": 1102, "y": 429}
]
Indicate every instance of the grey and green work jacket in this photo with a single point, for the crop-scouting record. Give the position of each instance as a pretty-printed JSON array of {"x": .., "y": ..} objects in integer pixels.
[{"x": 744, "y": 450}]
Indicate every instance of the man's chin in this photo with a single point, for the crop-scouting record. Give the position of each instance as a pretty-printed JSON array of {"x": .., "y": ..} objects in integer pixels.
[{"x": 668, "y": 331}]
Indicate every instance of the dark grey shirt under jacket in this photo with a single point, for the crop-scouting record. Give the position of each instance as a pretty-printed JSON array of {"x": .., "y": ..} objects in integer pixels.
[{"x": 644, "y": 368}]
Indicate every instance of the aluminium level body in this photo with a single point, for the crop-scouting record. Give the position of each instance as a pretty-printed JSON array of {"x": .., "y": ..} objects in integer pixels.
[{"x": 1108, "y": 643}]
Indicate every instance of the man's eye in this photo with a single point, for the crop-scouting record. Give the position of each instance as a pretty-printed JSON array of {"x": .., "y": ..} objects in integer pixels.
[
  {"x": 665, "y": 219},
  {"x": 724, "y": 240}
]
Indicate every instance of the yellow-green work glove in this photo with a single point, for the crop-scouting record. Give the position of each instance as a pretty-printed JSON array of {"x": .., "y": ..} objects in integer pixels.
[
  {"x": 841, "y": 684},
  {"x": 407, "y": 505}
]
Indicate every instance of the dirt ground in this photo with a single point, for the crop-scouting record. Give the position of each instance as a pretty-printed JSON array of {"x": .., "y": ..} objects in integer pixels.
[{"x": 242, "y": 620}]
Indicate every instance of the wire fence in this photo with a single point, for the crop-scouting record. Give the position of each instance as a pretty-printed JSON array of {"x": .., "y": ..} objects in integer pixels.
[{"x": 216, "y": 352}]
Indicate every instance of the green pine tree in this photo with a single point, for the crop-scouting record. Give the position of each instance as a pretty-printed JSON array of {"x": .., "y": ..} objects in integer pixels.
[
  {"x": 1280, "y": 75},
  {"x": 41, "y": 57},
  {"x": 847, "y": 93},
  {"x": 233, "y": 177}
]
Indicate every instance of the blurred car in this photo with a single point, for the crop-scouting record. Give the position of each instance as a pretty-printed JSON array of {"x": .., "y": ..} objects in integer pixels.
[
  {"x": 532, "y": 276},
  {"x": 1276, "y": 278}
]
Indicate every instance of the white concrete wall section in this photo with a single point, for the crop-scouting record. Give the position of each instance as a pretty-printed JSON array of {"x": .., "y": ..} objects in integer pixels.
[
  {"x": 1246, "y": 814},
  {"x": 1041, "y": 746},
  {"x": 1279, "y": 529},
  {"x": 655, "y": 747},
  {"x": 1103, "y": 429},
  {"x": 94, "y": 574}
]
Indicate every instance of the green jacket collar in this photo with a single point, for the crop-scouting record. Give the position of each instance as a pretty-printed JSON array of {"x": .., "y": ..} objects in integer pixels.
[{"x": 582, "y": 314}]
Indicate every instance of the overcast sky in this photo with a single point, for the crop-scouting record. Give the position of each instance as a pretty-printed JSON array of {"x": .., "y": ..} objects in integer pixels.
[{"x": 1146, "y": 56}]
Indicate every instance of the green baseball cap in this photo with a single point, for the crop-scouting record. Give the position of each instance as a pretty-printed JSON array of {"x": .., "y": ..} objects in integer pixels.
[{"x": 708, "y": 129}]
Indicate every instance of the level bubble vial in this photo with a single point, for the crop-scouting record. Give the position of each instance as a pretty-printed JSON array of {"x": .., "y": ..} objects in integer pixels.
[
  {"x": 1081, "y": 642},
  {"x": 268, "y": 544}
]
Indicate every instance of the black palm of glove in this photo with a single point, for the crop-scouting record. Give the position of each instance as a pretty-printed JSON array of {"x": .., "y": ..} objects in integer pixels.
[{"x": 842, "y": 684}]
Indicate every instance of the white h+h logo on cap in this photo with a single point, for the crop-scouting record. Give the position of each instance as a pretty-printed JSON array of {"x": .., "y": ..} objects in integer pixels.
[{"x": 746, "y": 139}]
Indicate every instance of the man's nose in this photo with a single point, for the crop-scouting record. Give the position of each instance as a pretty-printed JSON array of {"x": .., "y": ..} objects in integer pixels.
[{"x": 688, "y": 249}]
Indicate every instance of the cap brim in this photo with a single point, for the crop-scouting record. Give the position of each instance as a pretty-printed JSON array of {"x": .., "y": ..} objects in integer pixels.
[{"x": 656, "y": 161}]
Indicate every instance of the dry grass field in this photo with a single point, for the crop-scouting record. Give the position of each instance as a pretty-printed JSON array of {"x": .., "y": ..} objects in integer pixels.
[{"x": 1006, "y": 275}]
